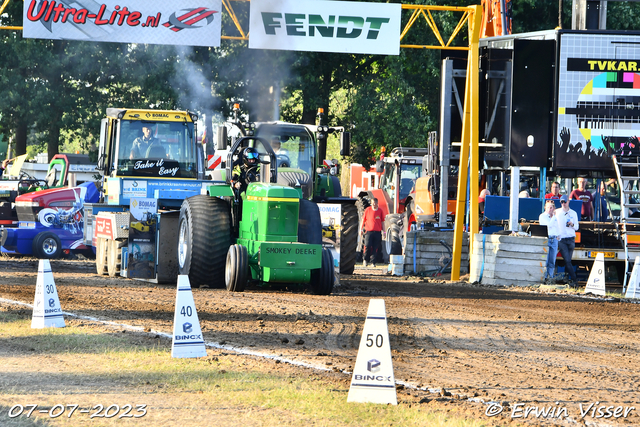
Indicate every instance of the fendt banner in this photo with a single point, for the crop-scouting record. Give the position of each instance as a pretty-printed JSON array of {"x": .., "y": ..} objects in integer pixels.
[
  {"x": 325, "y": 26},
  {"x": 187, "y": 22}
]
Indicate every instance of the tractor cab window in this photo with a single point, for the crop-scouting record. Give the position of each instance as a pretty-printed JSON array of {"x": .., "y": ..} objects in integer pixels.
[
  {"x": 408, "y": 175},
  {"x": 156, "y": 149},
  {"x": 294, "y": 146},
  {"x": 389, "y": 180}
]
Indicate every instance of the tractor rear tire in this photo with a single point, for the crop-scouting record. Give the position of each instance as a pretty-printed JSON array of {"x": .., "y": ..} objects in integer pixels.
[
  {"x": 361, "y": 204},
  {"x": 337, "y": 188},
  {"x": 309, "y": 223},
  {"x": 101, "y": 256},
  {"x": 322, "y": 278},
  {"x": 47, "y": 245},
  {"x": 204, "y": 238},
  {"x": 237, "y": 268},
  {"x": 349, "y": 226}
]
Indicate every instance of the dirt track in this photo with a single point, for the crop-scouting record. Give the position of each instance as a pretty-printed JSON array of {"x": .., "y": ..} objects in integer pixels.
[{"x": 510, "y": 345}]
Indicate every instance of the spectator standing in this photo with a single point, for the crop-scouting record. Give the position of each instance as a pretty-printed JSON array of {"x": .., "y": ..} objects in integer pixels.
[
  {"x": 601, "y": 210},
  {"x": 581, "y": 193},
  {"x": 555, "y": 191},
  {"x": 372, "y": 231},
  {"x": 553, "y": 231},
  {"x": 567, "y": 220},
  {"x": 481, "y": 198},
  {"x": 5, "y": 163}
]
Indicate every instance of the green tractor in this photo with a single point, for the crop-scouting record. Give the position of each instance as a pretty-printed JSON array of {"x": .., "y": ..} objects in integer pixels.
[
  {"x": 256, "y": 230},
  {"x": 262, "y": 223}
]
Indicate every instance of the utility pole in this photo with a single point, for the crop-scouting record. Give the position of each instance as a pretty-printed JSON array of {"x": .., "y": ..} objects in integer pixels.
[
  {"x": 560, "y": 14},
  {"x": 589, "y": 15}
]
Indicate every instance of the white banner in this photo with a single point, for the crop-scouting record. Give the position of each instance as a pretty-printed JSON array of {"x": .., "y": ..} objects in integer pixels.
[
  {"x": 187, "y": 22},
  {"x": 325, "y": 26}
]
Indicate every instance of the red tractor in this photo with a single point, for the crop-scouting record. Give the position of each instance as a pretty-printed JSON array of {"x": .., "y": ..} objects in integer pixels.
[{"x": 396, "y": 191}]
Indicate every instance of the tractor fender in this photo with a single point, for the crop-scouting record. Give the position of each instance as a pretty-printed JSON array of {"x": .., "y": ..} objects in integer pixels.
[{"x": 8, "y": 237}]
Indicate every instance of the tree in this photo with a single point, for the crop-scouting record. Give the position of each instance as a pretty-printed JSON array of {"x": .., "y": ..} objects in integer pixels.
[{"x": 387, "y": 111}]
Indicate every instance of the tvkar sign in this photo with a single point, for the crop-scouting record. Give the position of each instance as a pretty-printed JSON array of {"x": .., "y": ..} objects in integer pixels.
[
  {"x": 188, "y": 22},
  {"x": 325, "y": 26}
]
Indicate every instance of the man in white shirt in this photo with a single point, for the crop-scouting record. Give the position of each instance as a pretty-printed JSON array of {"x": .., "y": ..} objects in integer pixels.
[
  {"x": 567, "y": 220},
  {"x": 553, "y": 231}
]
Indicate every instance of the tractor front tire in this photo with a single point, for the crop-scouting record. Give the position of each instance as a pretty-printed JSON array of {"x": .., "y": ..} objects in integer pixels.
[
  {"x": 204, "y": 238},
  {"x": 409, "y": 213},
  {"x": 349, "y": 227},
  {"x": 394, "y": 239},
  {"x": 322, "y": 278},
  {"x": 101, "y": 256},
  {"x": 47, "y": 245},
  {"x": 361, "y": 204},
  {"x": 114, "y": 257},
  {"x": 237, "y": 268}
]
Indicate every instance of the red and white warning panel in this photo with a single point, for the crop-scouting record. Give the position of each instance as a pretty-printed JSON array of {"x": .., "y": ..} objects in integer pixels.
[
  {"x": 213, "y": 161},
  {"x": 112, "y": 225}
]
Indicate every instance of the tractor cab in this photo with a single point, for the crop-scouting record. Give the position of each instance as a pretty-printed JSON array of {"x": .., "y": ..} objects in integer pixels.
[
  {"x": 291, "y": 145},
  {"x": 141, "y": 150},
  {"x": 137, "y": 143}
]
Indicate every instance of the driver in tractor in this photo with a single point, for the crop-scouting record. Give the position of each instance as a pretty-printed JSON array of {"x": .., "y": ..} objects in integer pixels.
[
  {"x": 281, "y": 154},
  {"x": 246, "y": 169},
  {"x": 143, "y": 145}
]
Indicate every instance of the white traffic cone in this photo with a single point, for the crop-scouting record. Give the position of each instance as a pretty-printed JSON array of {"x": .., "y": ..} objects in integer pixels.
[
  {"x": 187, "y": 335},
  {"x": 46, "y": 304},
  {"x": 633, "y": 290},
  {"x": 372, "y": 380},
  {"x": 595, "y": 284}
]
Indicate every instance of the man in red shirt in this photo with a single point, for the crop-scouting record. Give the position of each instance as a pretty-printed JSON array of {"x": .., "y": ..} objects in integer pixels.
[
  {"x": 372, "y": 230},
  {"x": 581, "y": 193},
  {"x": 555, "y": 191}
]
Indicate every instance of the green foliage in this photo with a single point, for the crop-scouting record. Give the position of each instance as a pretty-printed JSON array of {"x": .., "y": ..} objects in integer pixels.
[
  {"x": 387, "y": 111},
  {"x": 34, "y": 149},
  {"x": 623, "y": 15}
]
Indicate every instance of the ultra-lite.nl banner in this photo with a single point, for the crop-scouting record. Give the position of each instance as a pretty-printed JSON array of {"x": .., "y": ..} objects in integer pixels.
[
  {"x": 325, "y": 26},
  {"x": 185, "y": 22}
]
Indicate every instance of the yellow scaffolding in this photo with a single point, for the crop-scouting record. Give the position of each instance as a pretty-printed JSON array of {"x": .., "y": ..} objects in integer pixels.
[{"x": 472, "y": 16}]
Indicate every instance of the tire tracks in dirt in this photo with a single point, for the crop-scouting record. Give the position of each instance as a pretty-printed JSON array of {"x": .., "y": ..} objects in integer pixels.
[{"x": 509, "y": 345}]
